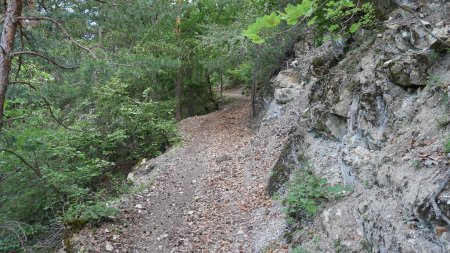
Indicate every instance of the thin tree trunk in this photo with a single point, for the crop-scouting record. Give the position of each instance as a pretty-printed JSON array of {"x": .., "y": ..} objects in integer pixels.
[
  {"x": 254, "y": 91},
  {"x": 191, "y": 103},
  {"x": 210, "y": 88},
  {"x": 178, "y": 95},
  {"x": 178, "y": 82},
  {"x": 14, "y": 10},
  {"x": 221, "y": 89}
]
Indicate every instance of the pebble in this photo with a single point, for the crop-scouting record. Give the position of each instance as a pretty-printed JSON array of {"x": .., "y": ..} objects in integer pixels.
[{"x": 109, "y": 247}]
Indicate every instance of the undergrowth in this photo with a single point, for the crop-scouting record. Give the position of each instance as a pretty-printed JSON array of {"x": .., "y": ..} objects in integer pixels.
[{"x": 307, "y": 191}]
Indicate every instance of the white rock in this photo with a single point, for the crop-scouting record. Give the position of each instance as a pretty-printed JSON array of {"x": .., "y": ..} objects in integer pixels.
[
  {"x": 109, "y": 247},
  {"x": 139, "y": 206},
  {"x": 130, "y": 178},
  {"x": 425, "y": 23}
]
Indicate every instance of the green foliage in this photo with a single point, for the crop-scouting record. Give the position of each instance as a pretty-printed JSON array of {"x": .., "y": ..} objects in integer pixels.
[
  {"x": 10, "y": 232},
  {"x": 340, "y": 248},
  {"x": 307, "y": 191},
  {"x": 242, "y": 74},
  {"x": 435, "y": 80},
  {"x": 329, "y": 18},
  {"x": 447, "y": 145},
  {"x": 265, "y": 22},
  {"x": 87, "y": 212},
  {"x": 71, "y": 137},
  {"x": 299, "y": 249}
]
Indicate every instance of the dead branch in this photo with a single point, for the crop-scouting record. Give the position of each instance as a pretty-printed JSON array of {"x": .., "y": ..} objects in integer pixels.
[
  {"x": 434, "y": 195},
  {"x": 43, "y": 57},
  {"x": 64, "y": 31},
  {"x": 16, "y": 228},
  {"x": 22, "y": 47},
  {"x": 420, "y": 23}
]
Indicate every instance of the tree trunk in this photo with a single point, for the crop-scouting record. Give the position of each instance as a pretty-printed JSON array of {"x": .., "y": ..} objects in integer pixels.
[
  {"x": 14, "y": 10},
  {"x": 178, "y": 81},
  {"x": 254, "y": 92},
  {"x": 191, "y": 103},
  {"x": 221, "y": 89},
  {"x": 178, "y": 95}
]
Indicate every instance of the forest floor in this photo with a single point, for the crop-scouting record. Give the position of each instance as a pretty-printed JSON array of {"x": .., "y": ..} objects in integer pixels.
[{"x": 208, "y": 195}]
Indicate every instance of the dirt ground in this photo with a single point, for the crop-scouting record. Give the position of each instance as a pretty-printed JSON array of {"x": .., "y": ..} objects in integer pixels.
[{"x": 208, "y": 195}]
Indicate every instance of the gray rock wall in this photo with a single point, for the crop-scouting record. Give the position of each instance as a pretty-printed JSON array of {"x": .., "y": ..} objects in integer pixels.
[{"x": 376, "y": 120}]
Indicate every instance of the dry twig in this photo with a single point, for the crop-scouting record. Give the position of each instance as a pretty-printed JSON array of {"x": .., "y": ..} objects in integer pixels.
[{"x": 434, "y": 195}]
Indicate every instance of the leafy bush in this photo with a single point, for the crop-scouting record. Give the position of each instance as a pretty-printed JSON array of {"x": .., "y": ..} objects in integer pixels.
[
  {"x": 329, "y": 18},
  {"x": 242, "y": 74},
  {"x": 64, "y": 175},
  {"x": 307, "y": 191},
  {"x": 87, "y": 212}
]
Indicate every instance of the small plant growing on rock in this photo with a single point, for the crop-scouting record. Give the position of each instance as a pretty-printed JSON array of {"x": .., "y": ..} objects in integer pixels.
[
  {"x": 435, "y": 80},
  {"x": 415, "y": 164},
  {"x": 307, "y": 191},
  {"x": 299, "y": 249},
  {"x": 447, "y": 145}
]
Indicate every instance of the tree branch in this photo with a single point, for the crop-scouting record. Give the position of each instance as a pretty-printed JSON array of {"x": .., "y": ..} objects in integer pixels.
[
  {"x": 434, "y": 195},
  {"x": 10, "y": 175},
  {"x": 13, "y": 119},
  {"x": 421, "y": 24},
  {"x": 36, "y": 171},
  {"x": 48, "y": 105},
  {"x": 23, "y": 82},
  {"x": 43, "y": 57},
  {"x": 64, "y": 31}
]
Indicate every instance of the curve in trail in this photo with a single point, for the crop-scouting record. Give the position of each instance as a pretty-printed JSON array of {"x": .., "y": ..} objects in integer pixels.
[{"x": 209, "y": 195}]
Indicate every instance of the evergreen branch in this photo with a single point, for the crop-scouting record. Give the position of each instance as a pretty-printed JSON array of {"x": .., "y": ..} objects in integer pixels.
[
  {"x": 24, "y": 82},
  {"x": 64, "y": 31},
  {"x": 47, "y": 104},
  {"x": 8, "y": 176},
  {"x": 43, "y": 57},
  {"x": 17, "y": 118},
  {"x": 36, "y": 171}
]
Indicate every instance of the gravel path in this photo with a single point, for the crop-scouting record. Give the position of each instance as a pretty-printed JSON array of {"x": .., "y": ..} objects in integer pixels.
[{"x": 209, "y": 195}]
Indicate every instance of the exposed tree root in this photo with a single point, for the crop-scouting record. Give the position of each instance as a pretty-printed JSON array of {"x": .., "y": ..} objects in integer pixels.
[{"x": 434, "y": 195}]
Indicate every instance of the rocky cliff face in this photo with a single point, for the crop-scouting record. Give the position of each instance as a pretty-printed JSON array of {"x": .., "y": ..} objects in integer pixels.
[{"x": 376, "y": 118}]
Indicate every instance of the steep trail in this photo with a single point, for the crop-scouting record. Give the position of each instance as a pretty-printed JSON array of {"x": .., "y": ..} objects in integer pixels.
[{"x": 209, "y": 195}]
